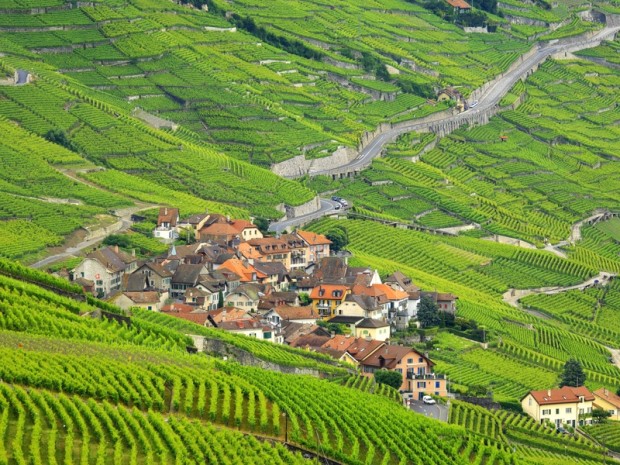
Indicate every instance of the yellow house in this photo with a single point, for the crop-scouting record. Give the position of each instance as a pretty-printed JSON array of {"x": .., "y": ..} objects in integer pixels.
[
  {"x": 568, "y": 405},
  {"x": 609, "y": 401},
  {"x": 374, "y": 329},
  {"x": 326, "y": 297}
]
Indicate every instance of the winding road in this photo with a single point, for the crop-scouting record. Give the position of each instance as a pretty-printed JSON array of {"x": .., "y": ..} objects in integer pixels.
[{"x": 487, "y": 101}]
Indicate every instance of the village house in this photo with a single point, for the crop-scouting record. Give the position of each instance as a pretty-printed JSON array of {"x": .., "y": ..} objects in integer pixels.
[
  {"x": 245, "y": 296},
  {"x": 166, "y": 228},
  {"x": 445, "y": 301},
  {"x": 318, "y": 245},
  {"x": 272, "y": 249},
  {"x": 280, "y": 315},
  {"x": 451, "y": 94},
  {"x": 185, "y": 277},
  {"x": 246, "y": 272},
  {"x": 360, "y": 326},
  {"x": 415, "y": 368},
  {"x": 276, "y": 299},
  {"x": 460, "y": 6},
  {"x": 564, "y": 406},
  {"x": 105, "y": 268},
  {"x": 148, "y": 300},
  {"x": 300, "y": 251},
  {"x": 608, "y": 401},
  {"x": 251, "y": 328},
  {"x": 276, "y": 274},
  {"x": 192, "y": 224},
  {"x": 327, "y": 297},
  {"x": 215, "y": 317},
  {"x": 155, "y": 276},
  {"x": 360, "y": 305}
]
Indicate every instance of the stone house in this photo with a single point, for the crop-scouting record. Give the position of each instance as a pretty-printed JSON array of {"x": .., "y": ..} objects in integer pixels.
[{"x": 105, "y": 268}]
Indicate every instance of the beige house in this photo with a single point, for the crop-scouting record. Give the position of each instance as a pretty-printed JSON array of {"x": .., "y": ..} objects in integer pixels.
[
  {"x": 568, "y": 405},
  {"x": 360, "y": 305},
  {"x": 318, "y": 245},
  {"x": 609, "y": 401},
  {"x": 148, "y": 300},
  {"x": 105, "y": 268}
]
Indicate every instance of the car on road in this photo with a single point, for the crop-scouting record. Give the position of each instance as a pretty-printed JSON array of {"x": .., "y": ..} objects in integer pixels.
[
  {"x": 337, "y": 206},
  {"x": 335, "y": 198},
  {"x": 428, "y": 400}
]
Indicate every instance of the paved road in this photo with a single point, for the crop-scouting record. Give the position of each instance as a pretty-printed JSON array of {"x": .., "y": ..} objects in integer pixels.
[
  {"x": 488, "y": 99},
  {"x": 436, "y": 411},
  {"x": 327, "y": 207}
]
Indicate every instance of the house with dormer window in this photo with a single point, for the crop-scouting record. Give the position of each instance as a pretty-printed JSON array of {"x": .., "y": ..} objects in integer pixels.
[
  {"x": 565, "y": 406},
  {"x": 327, "y": 297}
]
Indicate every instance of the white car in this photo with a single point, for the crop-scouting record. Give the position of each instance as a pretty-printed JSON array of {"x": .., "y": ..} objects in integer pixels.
[{"x": 428, "y": 400}]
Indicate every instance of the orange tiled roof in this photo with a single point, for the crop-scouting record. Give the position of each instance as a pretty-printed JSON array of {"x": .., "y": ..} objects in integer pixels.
[
  {"x": 228, "y": 314},
  {"x": 245, "y": 272},
  {"x": 249, "y": 252},
  {"x": 327, "y": 292},
  {"x": 195, "y": 317},
  {"x": 313, "y": 238},
  {"x": 462, "y": 4},
  {"x": 390, "y": 292},
  {"x": 219, "y": 229},
  {"x": 288, "y": 312},
  {"x": 609, "y": 396},
  {"x": 240, "y": 225},
  {"x": 339, "y": 342},
  {"x": 177, "y": 308},
  {"x": 563, "y": 395}
]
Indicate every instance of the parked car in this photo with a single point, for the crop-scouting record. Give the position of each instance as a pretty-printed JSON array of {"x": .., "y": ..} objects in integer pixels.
[
  {"x": 337, "y": 206},
  {"x": 344, "y": 203},
  {"x": 335, "y": 198},
  {"x": 428, "y": 400},
  {"x": 562, "y": 430}
]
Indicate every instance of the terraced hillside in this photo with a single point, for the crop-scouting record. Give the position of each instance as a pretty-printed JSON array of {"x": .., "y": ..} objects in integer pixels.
[{"x": 82, "y": 389}]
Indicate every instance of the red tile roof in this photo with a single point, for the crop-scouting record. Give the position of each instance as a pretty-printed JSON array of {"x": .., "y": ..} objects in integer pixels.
[
  {"x": 313, "y": 238},
  {"x": 177, "y": 308},
  {"x": 609, "y": 396},
  {"x": 287, "y": 312},
  {"x": 329, "y": 292},
  {"x": 462, "y": 4},
  {"x": 168, "y": 215},
  {"x": 563, "y": 395}
]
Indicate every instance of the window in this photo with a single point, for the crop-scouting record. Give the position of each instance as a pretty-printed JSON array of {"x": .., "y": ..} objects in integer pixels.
[
  {"x": 422, "y": 384},
  {"x": 580, "y": 411},
  {"x": 546, "y": 412},
  {"x": 557, "y": 411},
  {"x": 569, "y": 410},
  {"x": 99, "y": 282},
  {"x": 420, "y": 360},
  {"x": 409, "y": 361},
  {"x": 437, "y": 385}
]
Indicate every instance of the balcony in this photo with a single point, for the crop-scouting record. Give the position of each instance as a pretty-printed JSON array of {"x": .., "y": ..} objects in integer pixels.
[{"x": 426, "y": 376}]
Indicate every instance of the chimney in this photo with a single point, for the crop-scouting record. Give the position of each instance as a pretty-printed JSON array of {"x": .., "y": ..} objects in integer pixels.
[
  {"x": 133, "y": 252},
  {"x": 116, "y": 248},
  {"x": 606, "y": 392},
  {"x": 165, "y": 210},
  {"x": 548, "y": 392},
  {"x": 228, "y": 218},
  {"x": 333, "y": 334}
]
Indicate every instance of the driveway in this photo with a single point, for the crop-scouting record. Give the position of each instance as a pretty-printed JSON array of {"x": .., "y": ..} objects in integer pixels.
[{"x": 436, "y": 411}]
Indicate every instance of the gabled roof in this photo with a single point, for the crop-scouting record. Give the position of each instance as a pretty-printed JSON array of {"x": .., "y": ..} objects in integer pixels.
[
  {"x": 197, "y": 316},
  {"x": 372, "y": 323},
  {"x": 228, "y": 314},
  {"x": 346, "y": 320},
  {"x": 270, "y": 245},
  {"x": 329, "y": 292},
  {"x": 608, "y": 396},
  {"x": 146, "y": 297},
  {"x": 241, "y": 325},
  {"x": 312, "y": 238},
  {"x": 387, "y": 356},
  {"x": 462, "y": 4},
  {"x": 240, "y": 225},
  {"x": 177, "y": 308},
  {"x": 402, "y": 280},
  {"x": 219, "y": 229},
  {"x": 155, "y": 268},
  {"x": 240, "y": 269},
  {"x": 362, "y": 348},
  {"x": 287, "y": 312},
  {"x": 366, "y": 302},
  {"x": 168, "y": 215},
  {"x": 331, "y": 270},
  {"x": 310, "y": 340},
  {"x": 372, "y": 291},
  {"x": 563, "y": 395},
  {"x": 339, "y": 342},
  {"x": 271, "y": 268},
  {"x": 112, "y": 258},
  {"x": 439, "y": 296},
  {"x": 187, "y": 274},
  {"x": 195, "y": 219},
  {"x": 391, "y": 293},
  {"x": 250, "y": 290}
]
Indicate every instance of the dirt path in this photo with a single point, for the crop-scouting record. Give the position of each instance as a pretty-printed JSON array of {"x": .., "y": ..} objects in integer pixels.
[
  {"x": 96, "y": 235},
  {"x": 512, "y": 296}
]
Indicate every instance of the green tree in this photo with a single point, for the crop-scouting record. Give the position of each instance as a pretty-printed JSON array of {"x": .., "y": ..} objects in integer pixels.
[
  {"x": 428, "y": 314},
  {"x": 391, "y": 378},
  {"x": 599, "y": 415},
  {"x": 618, "y": 392},
  {"x": 304, "y": 299},
  {"x": 59, "y": 137},
  {"x": 573, "y": 374},
  {"x": 339, "y": 237}
]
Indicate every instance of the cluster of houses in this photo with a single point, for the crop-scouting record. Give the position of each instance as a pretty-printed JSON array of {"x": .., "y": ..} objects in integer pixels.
[
  {"x": 570, "y": 406},
  {"x": 274, "y": 288}
]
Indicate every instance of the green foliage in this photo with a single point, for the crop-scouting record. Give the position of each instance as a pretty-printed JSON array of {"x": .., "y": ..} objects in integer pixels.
[
  {"x": 573, "y": 374},
  {"x": 428, "y": 314},
  {"x": 339, "y": 238},
  {"x": 391, "y": 378}
]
